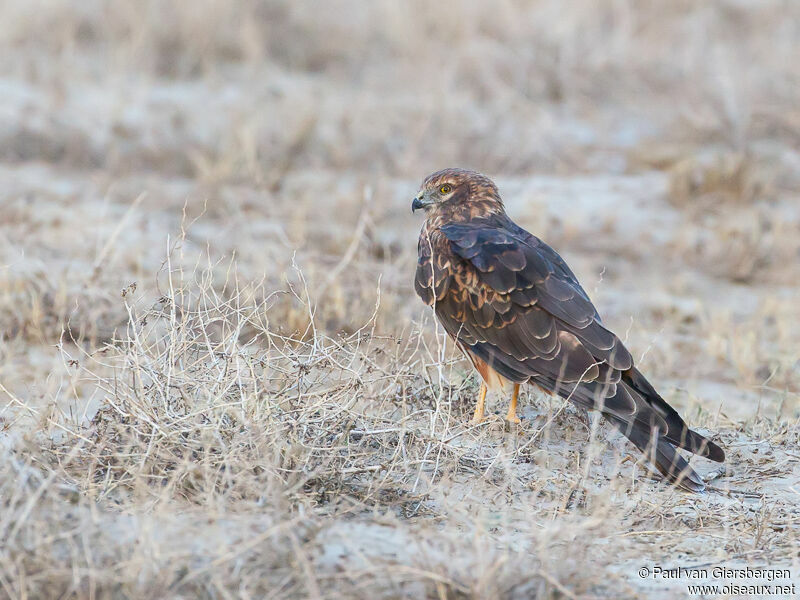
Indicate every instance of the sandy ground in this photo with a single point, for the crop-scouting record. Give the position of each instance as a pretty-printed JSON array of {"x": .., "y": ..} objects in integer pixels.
[{"x": 215, "y": 378}]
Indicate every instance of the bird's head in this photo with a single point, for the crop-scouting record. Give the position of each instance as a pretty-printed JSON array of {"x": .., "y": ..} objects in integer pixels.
[{"x": 457, "y": 191}]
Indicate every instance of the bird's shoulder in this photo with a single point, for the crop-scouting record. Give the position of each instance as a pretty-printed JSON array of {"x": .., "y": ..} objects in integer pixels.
[{"x": 495, "y": 244}]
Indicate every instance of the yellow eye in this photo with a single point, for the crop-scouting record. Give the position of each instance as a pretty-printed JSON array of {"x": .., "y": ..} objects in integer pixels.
[{"x": 445, "y": 189}]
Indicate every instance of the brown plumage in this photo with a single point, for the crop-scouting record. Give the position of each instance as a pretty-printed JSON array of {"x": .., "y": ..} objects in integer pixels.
[{"x": 515, "y": 308}]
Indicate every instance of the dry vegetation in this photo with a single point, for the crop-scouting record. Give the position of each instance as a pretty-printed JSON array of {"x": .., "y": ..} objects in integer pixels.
[{"x": 215, "y": 380}]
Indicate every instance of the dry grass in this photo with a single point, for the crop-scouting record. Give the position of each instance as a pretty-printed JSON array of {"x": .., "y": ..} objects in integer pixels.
[
  {"x": 215, "y": 379},
  {"x": 200, "y": 453}
]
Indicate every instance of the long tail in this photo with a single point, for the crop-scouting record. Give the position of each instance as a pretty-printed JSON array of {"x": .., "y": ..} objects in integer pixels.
[
  {"x": 645, "y": 418},
  {"x": 677, "y": 433},
  {"x": 664, "y": 456},
  {"x": 659, "y": 445}
]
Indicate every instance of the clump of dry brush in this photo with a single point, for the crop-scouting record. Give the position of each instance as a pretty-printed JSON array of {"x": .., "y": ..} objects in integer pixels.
[{"x": 221, "y": 456}]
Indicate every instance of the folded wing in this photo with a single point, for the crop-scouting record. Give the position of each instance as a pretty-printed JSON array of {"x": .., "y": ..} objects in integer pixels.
[{"x": 513, "y": 302}]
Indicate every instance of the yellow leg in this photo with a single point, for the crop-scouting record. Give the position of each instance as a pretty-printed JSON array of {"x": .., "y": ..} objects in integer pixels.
[
  {"x": 480, "y": 409},
  {"x": 512, "y": 417}
]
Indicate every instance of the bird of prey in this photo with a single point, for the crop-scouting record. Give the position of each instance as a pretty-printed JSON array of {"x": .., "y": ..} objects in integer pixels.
[{"x": 514, "y": 307}]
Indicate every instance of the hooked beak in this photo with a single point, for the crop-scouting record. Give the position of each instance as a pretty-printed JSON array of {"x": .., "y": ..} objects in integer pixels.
[{"x": 419, "y": 202}]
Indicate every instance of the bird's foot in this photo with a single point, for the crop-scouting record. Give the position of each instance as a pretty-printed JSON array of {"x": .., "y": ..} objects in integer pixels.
[
  {"x": 480, "y": 409},
  {"x": 511, "y": 415},
  {"x": 512, "y": 424}
]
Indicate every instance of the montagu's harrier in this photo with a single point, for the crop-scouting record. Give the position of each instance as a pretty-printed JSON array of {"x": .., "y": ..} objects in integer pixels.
[{"x": 515, "y": 308}]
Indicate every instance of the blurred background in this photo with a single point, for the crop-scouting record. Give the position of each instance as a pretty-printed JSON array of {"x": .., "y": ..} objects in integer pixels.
[
  {"x": 267, "y": 152},
  {"x": 656, "y": 144}
]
